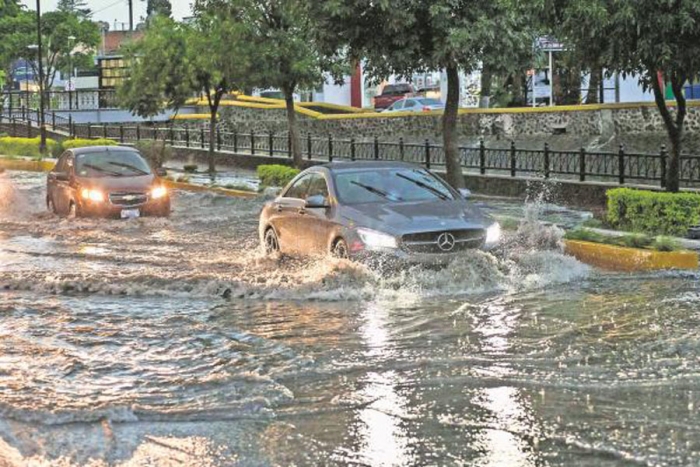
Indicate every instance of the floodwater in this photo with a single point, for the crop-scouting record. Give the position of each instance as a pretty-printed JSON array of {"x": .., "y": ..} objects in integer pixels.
[{"x": 173, "y": 342}]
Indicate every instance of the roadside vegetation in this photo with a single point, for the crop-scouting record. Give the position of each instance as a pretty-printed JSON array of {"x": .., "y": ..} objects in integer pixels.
[
  {"x": 25, "y": 147},
  {"x": 658, "y": 243},
  {"x": 275, "y": 175}
]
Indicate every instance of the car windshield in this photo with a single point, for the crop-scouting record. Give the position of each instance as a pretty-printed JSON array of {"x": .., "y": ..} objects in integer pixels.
[
  {"x": 389, "y": 185},
  {"x": 429, "y": 102},
  {"x": 111, "y": 164}
]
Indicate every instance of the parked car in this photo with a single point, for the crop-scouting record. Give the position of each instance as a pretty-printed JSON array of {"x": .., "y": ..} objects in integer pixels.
[
  {"x": 416, "y": 104},
  {"x": 106, "y": 181},
  {"x": 392, "y": 93},
  {"x": 366, "y": 210}
]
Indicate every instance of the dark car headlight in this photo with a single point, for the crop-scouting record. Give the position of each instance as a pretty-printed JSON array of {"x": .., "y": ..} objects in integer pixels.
[{"x": 375, "y": 239}]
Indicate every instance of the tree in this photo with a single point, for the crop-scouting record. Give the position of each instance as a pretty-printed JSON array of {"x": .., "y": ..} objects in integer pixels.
[
  {"x": 655, "y": 40},
  {"x": 403, "y": 37},
  {"x": 174, "y": 61},
  {"x": 282, "y": 38},
  {"x": 159, "y": 7},
  {"x": 15, "y": 25},
  {"x": 77, "y": 7}
]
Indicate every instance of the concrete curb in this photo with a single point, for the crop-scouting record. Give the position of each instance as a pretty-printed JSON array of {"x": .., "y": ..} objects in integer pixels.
[
  {"x": 618, "y": 258},
  {"x": 218, "y": 190}
]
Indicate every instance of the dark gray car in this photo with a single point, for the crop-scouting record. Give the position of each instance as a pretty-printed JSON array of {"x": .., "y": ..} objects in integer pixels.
[{"x": 366, "y": 209}]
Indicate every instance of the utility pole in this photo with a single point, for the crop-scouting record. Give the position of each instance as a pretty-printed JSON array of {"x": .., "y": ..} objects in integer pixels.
[
  {"x": 42, "y": 124},
  {"x": 131, "y": 15}
]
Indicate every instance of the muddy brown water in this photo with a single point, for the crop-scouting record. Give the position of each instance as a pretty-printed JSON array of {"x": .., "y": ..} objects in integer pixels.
[{"x": 174, "y": 342}]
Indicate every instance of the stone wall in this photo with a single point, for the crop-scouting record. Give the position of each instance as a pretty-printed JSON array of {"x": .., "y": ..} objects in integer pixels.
[{"x": 640, "y": 128}]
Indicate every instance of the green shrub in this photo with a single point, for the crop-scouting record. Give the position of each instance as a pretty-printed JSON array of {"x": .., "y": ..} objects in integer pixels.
[
  {"x": 156, "y": 152},
  {"x": 659, "y": 243},
  {"x": 238, "y": 186},
  {"x": 651, "y": 212},
  {"x": 585, "y": 235},
  {"x": 634, "y": 241},
  {"x": 276, "y": 175},
  {"x": 190, "y": 168},
  {"x": 662, "y": 243},
  {"x": 81, "y": 143},
  {"x": 26, "y": 147}
]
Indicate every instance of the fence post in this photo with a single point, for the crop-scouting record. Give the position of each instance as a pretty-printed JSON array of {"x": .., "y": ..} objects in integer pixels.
[
  {"x": 512, "y": 159},
  {"x": 352, "y": 149},
  {"x": 53, "y": 119},
  {"x": 14, "y": 126},
  {"x": 252, "y": 141},
  {"x": 427, "y": 153},
  {"x": 330, "y": 148},
  {"x": 401, "y": 148},
  {"x": 235, "y": 140},
  {"x": 104, "y": 130},
  {"x": 201, "y": 134},
  {"x": 309, "y": 144},
  {"x": 482, "y": 157},
  {"x": 270, "y": 142},
  {"x": 582, "y": 165},
  {"x": 187, "y": 136},
  {"x": 218, "y": 138},
  {"x": 70, "y": 125},
  {"x": 138, "y": 132},
  {"x": 621, "y": 164},
  {"x": 121, "y": 134},
  {"x": 289, "y": 145},
  {"x": 546, "y": 160},
  {"x": 29, "y": 128},
  {"x": 89, "y": 132},
  {"x": 172, "y": 135},
  {"x": 663, "y": 166}
]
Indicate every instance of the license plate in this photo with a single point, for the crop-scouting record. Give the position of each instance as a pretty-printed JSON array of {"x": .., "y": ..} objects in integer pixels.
[{"x": 130, "y": 213}]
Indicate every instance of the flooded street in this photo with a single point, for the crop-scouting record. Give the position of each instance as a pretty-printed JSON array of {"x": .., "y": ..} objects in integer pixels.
[{"x": 175, "y": 342}]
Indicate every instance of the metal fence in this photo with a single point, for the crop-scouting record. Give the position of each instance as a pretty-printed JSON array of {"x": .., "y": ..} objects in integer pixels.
[
  {"x": 22, "y": 120},
  {"x": 81, "y": 99},
  {"x": 620, "y": 167}
]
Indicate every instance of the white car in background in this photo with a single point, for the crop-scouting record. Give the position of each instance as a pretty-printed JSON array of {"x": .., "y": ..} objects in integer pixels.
[{"x": 416, "y": 104}]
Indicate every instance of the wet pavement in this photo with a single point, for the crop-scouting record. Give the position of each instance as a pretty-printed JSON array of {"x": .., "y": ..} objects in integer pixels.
[{"x": 174, "y": 342}]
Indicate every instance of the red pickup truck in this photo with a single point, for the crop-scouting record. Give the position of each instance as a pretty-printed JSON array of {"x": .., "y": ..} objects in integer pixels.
[{"x": 392, "y": 93}]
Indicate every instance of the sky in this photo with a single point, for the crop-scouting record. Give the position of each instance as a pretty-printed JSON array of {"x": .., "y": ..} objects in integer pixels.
[{"x": 111, "y": 10}]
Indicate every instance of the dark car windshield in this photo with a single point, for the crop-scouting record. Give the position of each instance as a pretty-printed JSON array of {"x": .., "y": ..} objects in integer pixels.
[
  {"x": 111, "y": 164},
  {"x": 389, "y": 185}
]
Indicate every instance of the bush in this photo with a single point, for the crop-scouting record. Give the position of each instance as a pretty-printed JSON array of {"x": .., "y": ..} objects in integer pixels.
[
  {"x": 81, "y": 143},
  {"x": 156, "y": 152},
  {"x": 276, "y": 175},
  {"x": 642, "y": 241},
  {"x": 27, "y": 147},
  {"x": 651, "y": 212}
]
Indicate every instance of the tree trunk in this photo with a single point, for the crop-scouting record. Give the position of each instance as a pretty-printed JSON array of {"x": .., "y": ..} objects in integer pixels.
[
  {"x": 486, "y": 82},
  {"x": 212, "y": 140},
  {"x": 455, "y": 176},
  {"x": 293, "y": 129},
  {"x": 593, "y": 85},
  {"x": 673, "y": 128}
]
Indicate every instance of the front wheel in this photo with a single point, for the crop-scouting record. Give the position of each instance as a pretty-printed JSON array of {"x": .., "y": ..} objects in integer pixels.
[
  {"x": 271, "y": 243},
  {"x": 340, "y": 249}
]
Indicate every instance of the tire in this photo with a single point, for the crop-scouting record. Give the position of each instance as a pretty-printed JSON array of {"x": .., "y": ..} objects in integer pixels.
[
  {"x": 271, "y": 243},
  {"x": 340, "y": 249},
  {"x": 74, "y": 211}
]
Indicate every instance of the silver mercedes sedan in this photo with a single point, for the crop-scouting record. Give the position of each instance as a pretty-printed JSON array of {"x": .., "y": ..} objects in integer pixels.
[{"x": 366, "y": 210}]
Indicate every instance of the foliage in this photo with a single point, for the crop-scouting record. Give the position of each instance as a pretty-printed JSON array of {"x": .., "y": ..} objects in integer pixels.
[
  {"x": 653, "y": 212},
  {"x": 26, "y": 147},
  {"x": 78, "y": 7},
  {"x": 80, "y": 143},
  {"x": 276, "y": 175},
  {"x": 641, "y": 241},
  {"x": 159, "y": 7},
  {"x": 156, "y": 152}
]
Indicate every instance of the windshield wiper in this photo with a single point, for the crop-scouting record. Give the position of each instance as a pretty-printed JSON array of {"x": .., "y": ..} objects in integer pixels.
[
  {"x": 431, "y": 189},
  {"x": 372, "y": 189},
  {"x": 127, "y": 166},
  {"x": 101, "y": 169}
]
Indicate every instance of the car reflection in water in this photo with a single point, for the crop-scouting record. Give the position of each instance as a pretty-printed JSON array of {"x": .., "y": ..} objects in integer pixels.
[{"x": 368, "y": 210}]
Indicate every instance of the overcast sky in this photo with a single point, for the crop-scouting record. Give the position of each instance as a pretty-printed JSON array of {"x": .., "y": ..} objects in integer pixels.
[{"x": 111, "y": 10}]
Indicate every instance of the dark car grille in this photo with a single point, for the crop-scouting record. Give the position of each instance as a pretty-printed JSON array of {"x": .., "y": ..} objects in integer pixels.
[
  {"x": 444, "y": 241},
  {"x": 128, "y": 199}
]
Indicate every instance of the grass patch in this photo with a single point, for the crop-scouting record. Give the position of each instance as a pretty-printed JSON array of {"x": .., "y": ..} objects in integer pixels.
[
  {"x": 25, "y": 147},
  {"x": 660, "y": 243},
  {"x": 239, "y": 187},
  {"x": 276, "y": 175}
]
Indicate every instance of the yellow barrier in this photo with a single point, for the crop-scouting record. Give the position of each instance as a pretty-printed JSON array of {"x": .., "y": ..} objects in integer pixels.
[{"x": 618, "y": 258}]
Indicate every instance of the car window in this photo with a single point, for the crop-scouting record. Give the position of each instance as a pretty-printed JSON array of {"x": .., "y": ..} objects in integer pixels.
[
  {"x": 317, "y": 186},
  {"x": 410, "y": 104},
  {"x": 61, "y": 164},
  {"x": 111, "y": 164},
  {"x": 397, "y": 105},
  {"x": 390, "y": 186},
  {"x": 299, "y": 188},
  {"x": 429, "y": 102}
]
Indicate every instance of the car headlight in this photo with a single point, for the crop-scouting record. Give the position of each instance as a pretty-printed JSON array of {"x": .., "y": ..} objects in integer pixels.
[
  {"x": 374, "y": 239},
  {"x": 92, "y": 195},
  {"x": 158, "y": 192},
  {"x": 493, "y": 233}
]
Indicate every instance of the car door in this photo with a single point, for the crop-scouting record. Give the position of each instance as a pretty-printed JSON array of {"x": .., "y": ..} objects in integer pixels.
[
  {"x": 286, "y": 218},
  {"x": 398, "y": 105},
  {"x": 410, "y": 106},
  {"x": 317, "y": 220},
  {"x": 58, "y": 189}
]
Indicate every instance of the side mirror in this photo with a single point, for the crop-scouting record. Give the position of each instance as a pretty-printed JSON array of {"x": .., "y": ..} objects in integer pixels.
[
  {"x": 61, "y": 176},
  {"x": 317, "y": 201},
  {"x": 161, "y": 172},
  {"x": 465, "y": 193}
]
